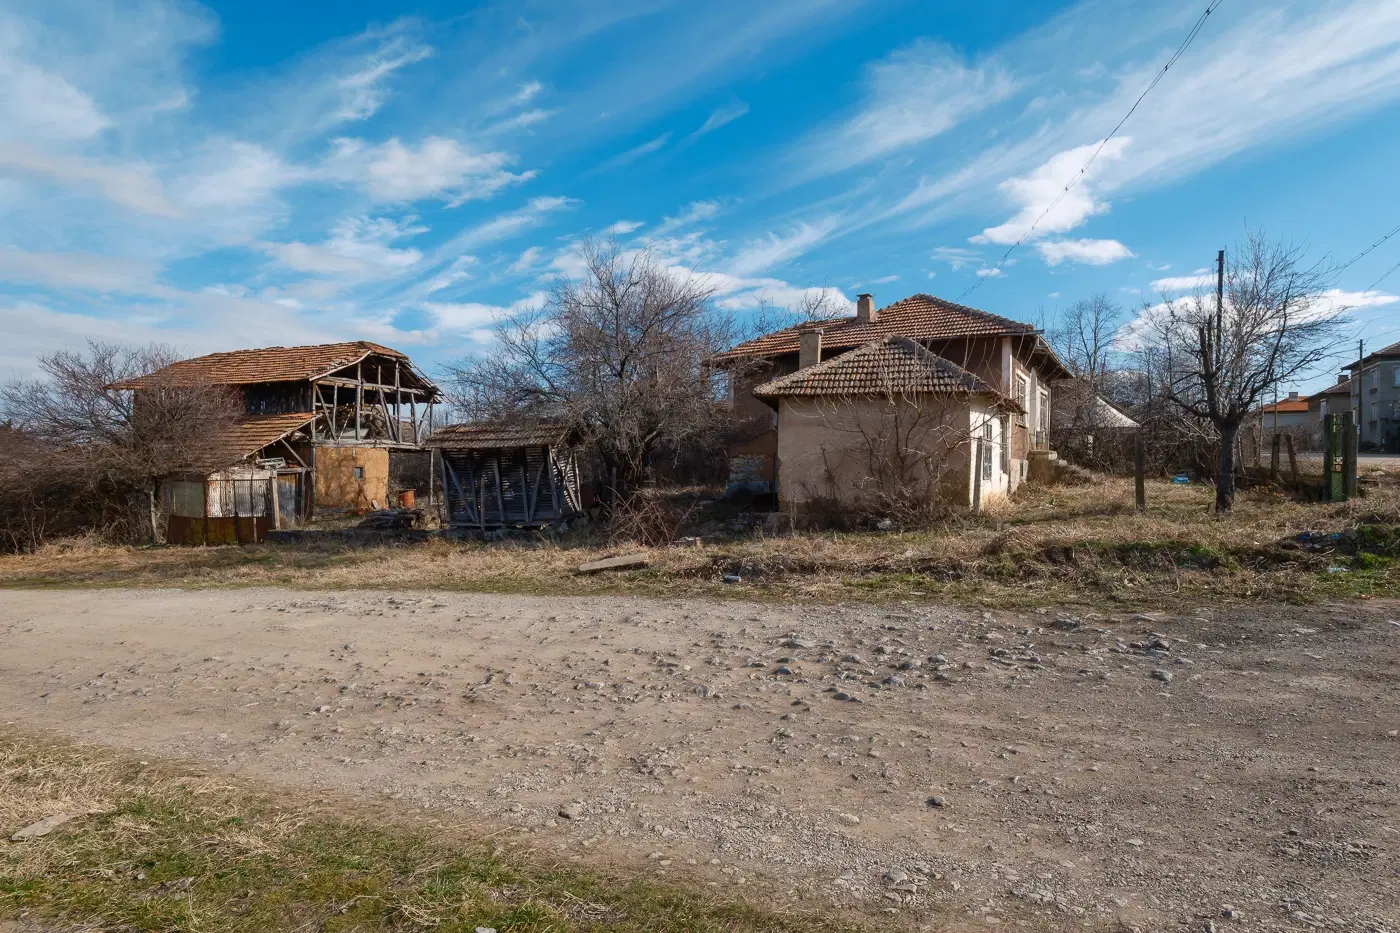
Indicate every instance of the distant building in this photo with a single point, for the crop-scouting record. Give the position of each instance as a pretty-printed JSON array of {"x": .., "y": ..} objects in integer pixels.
[
  {"x": 325, "y": 428},
  {"x": 1332, "y": 400},
  {"x": 1291, "y": 412},
  {"x": 1375, "y": 397},
  {"x": 1007, "y": 358}
]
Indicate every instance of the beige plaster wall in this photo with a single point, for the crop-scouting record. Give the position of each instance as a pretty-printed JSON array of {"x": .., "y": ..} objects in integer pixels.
[
  {"x": 841, "y": 448},
  {"x": 336, "y": 485}
]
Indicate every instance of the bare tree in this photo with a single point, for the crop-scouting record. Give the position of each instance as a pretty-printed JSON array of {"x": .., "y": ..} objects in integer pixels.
[
  {"x": 110, "y": 442},
  {"x": 1084, "y": 336},
  {"x": 1216, "y": 359},
  {"x": 620, "y": 355}
]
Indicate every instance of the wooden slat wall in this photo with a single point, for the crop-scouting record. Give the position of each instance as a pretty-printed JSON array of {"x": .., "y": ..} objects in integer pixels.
[{"x": 522, "y": 486}]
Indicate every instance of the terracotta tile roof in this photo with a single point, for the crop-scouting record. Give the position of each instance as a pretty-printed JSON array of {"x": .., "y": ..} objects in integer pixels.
[
  {"x": 1392, "y": 350},
  {"x": 1286, "y": 406},
  {"x": 1337, "y": 388},
  {"x": 252, "y": 433},
  {"x": 269, "y": 364},
  {"x": 921, "y": 317},
  {"x": 497, "y": 435},
  {"x": 893, "y": 364}
]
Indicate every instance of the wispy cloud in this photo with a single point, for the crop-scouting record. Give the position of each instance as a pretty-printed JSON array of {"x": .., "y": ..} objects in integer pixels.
[
  {"x": 721, "y": 117},
  {"x": 774, "y": 249},
  {"x": 131, "y": 187},
  {"x": 635, "y": 153},
  {"x": 502, "y": 227},
  {"x": 956, "y": 256},
  {"x": 364, "y": 90},
  {"x": 437, "y": 167},
  {"x": 695, "y": 212},
  {"x": 623, "y": 227},
  {"x": 914, "y": 94}
]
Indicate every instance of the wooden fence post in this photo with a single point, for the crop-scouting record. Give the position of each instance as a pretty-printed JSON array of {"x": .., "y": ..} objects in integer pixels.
[
  {"x": 1292, "y": 457},
  {"x": 1274, "y": 455},
  {"x": 977, "y": 475},
  {"x": 1140, "y": 470},
  {"x": 1349, "y": 455}
]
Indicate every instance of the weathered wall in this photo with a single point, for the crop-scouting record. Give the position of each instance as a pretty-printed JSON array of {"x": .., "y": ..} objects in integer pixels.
[
  {"x": 337, "y": 486},
  {"x": 841, "y": 449}
]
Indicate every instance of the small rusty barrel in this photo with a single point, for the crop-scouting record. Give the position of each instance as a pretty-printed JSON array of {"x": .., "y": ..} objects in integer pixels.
[{"x": 406, "y": 499}]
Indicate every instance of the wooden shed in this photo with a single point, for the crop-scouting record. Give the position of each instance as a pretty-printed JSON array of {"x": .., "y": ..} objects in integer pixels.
[{"x": 497, "y": 474}]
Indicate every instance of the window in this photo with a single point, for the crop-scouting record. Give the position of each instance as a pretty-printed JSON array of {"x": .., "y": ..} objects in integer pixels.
[
  {"x": 987, "y": 450},
  {"x": 360, "y": 474},
  {"x": 1023, "y": 398},
  {"x": 1322, "y": 409},
  {"x": 1395, "y": 375}
]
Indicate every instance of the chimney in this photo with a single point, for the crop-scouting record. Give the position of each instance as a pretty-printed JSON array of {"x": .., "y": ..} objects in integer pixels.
[
  {"x": 865, "y": 309},
  {"x": 1342, "y": 377},
  {"x": 809, "y": 348},
  {"x": 1293, "y": 396}
]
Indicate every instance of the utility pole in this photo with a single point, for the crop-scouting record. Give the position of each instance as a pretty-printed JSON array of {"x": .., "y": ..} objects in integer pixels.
[{"x": 1219, "y": 301}]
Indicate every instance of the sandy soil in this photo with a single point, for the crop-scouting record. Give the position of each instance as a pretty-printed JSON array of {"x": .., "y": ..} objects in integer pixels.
[{"x": 1226, "y": 770}]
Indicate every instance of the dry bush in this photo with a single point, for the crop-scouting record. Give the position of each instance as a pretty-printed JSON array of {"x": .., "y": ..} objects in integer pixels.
[{"x": 648, "y": 518}]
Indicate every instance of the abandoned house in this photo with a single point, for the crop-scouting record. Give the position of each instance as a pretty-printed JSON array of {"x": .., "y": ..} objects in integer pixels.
[
  {"x": 1008, "y": 358},
  {"x": 888, "y": 425},
  {"x": 498, "y": 474},
  {"x": 329, "y": 429}
]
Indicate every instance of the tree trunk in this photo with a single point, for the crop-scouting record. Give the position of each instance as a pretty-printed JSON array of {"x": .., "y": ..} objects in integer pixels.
[
  {"x": 154, "y": 515},
  {"x": 1225, "y": 475}
]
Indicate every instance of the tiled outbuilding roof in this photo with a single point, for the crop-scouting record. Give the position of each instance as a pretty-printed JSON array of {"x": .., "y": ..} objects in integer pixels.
[
  {"x": 498, "y": 435},
  {"x": 921, "y": 317},
  {"x": 892, "y": 365},
  {"x": 250, "y": 434},
  {"x": 269, "y": 364}
]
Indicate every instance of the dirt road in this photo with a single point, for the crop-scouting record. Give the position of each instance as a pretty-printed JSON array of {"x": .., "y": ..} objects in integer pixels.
[{"x": 1232, "y": 768}]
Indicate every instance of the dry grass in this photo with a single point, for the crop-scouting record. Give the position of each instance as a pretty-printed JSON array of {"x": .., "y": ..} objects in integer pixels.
[
  {"x": 178, "y": 850},
  {"x": 1060, "y": 544}
]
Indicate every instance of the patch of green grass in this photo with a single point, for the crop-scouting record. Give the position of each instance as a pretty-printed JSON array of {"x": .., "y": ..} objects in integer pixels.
[{"x": 174, "y": 851}]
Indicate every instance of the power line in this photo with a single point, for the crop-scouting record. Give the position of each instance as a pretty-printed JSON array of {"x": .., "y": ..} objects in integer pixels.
[
  {"x": 1079, "y": 176},
  {"x": 1383, "y": 277},
  {"x": 1368, "y": 249}
]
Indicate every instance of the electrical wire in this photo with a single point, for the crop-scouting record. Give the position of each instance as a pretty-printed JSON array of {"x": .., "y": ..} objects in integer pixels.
[
  {"x": 1368, "y": 249},
  {"x": 1079, "y": 176}
]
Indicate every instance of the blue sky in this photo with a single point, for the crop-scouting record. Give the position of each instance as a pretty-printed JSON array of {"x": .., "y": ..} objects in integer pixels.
[{"x": 248, "y": 173}]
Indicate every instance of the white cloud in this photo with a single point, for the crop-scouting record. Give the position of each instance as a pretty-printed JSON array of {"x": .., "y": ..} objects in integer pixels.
[
  {"x": 235, "y": 174},
  {"x": 35, "y": 102},
  {"x": 956, "y": 256},
  {"x": 79, "y": 270},
  {"x": 623, "y": 227},
  {"x": 1036, "y": 192},
  {"x": 438, "y": 167},
  {"x": 503, "y": 226},
  {"x": 528, "y": 91},
  {"x": 1087, "y": 252},
  {"x": 886, "y": 279},
  {"x": 991, "y": 272},
  {"x": 457, "y": 272},
  {"x": 363, "y": 92},
  {"x": 720, "y": 117},
  {"x": 635, "y": 153},
  {"x": 774, "y": 249},
  {"x": 476, "y": 318},
  {"x": 695, "y": 212},
  {"x": 131, "y": 187},
  {"x": 359, "y": 247},
  {"x": 913, "y": 95},
  {"x": 521, "y": 121},
  {"x": 527, "y": 260},
  {"x": 1183, "y": 283}
]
